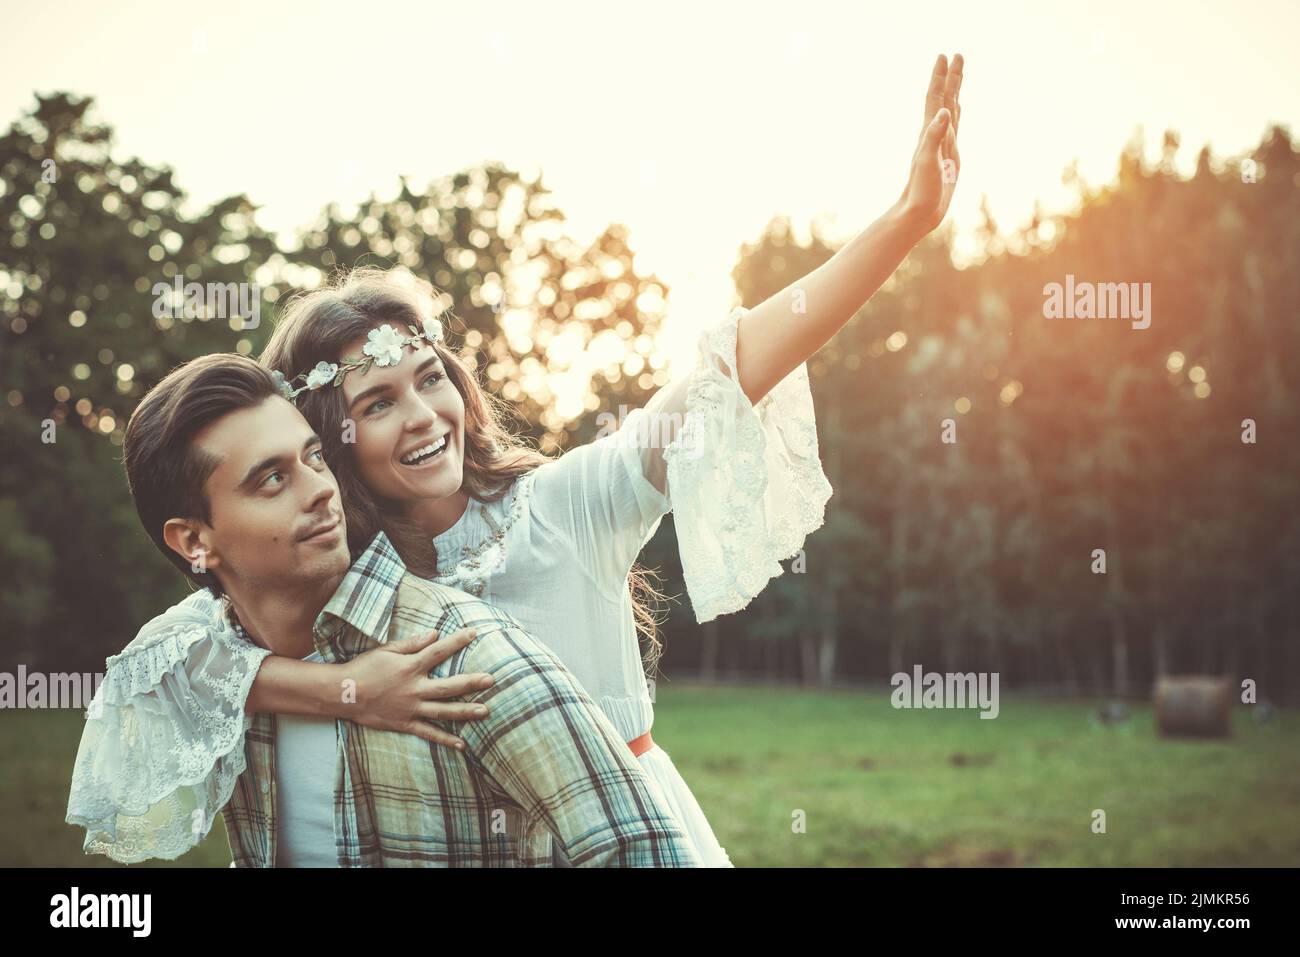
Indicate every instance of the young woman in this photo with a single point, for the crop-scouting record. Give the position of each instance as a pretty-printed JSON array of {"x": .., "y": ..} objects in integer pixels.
[{"x": 420, "y": 454}]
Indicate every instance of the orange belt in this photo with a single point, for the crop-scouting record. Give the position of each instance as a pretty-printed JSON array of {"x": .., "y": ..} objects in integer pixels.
[{"x": 641, "y": 745}]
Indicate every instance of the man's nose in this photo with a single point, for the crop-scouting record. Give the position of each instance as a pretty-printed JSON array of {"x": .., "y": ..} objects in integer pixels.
[{"x": 320, "y": 489}]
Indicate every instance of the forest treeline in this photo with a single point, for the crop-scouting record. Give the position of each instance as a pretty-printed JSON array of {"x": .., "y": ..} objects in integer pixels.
[{"x": 1077, "y": 503}]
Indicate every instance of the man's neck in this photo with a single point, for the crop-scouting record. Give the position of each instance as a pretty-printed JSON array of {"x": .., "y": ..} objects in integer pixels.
[{"x": 281, "y": 619}]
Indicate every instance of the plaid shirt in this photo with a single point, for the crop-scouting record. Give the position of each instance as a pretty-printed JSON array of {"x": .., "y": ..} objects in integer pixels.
[{"x": 545, "y": 772}]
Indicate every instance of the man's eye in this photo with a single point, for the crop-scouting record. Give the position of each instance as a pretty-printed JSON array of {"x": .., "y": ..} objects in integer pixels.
[
  {"x": 319, "y": 455},
  {"x": 266, "y": 482}
]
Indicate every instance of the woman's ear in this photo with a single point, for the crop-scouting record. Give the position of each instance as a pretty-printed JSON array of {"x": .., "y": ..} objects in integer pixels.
[{"x": 187, "y": 540}]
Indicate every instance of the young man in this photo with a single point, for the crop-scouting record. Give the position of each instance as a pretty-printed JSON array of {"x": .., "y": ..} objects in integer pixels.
[{"x": 230, "y": 483}]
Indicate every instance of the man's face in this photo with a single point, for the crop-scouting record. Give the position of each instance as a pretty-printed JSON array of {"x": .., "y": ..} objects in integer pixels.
[{"x": 276, "y": 517}]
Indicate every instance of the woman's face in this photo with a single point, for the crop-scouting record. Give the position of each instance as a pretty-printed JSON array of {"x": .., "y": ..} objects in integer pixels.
[{"x": 410, "y": 426}]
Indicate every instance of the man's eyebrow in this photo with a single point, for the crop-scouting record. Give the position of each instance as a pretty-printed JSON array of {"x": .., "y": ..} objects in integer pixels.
[
  {"x": 376, "y": 389},
  {"x": 274, "y": 460}
]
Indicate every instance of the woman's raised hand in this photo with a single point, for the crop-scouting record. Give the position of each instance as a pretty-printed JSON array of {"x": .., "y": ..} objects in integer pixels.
[{"x": 936, "y": 162}]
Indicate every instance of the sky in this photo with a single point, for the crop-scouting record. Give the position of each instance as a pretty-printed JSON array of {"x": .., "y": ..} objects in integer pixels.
[{"x": 692, "y": 123}]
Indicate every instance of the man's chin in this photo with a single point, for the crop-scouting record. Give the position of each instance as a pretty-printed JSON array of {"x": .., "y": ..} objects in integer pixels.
[
  {"x": 315, "y": 561},
  {"x": 340, "y": 559}
]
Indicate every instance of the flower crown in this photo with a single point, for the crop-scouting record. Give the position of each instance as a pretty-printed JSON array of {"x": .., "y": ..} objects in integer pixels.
[{"x": 384, "y": 347}]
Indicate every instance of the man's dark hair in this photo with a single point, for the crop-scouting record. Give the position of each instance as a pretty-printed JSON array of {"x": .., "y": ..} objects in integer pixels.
[{"x": 164, "y": 469}]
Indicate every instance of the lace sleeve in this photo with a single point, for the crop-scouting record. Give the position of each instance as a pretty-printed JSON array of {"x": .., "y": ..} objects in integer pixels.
[
  {"x": 745, "y": 481},
  {"x": 164, "y": 735}
]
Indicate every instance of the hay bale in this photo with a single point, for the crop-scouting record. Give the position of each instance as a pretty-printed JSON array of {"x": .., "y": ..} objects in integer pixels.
[{"x": 1194, "y": 706}]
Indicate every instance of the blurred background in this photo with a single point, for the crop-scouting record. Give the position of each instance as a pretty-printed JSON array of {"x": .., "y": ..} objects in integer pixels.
[{"x": 595, "y": 184}]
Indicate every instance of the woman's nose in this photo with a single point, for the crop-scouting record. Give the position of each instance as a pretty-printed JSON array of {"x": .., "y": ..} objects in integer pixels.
[{"x": 419, "y": 416}]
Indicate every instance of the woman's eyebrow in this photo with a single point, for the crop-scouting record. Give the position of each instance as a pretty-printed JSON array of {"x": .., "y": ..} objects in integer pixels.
[
  {"x": 367, "y": 393},
  {"x": 376, "y": 389},
  {"x": 433, "y": 360}
]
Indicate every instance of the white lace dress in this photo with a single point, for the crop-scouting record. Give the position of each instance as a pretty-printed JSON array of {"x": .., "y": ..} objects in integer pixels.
[{"x": 745, "y": 485}]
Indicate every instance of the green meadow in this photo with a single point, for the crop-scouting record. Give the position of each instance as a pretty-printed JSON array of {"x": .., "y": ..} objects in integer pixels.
[{"x": 793, "y": 777}]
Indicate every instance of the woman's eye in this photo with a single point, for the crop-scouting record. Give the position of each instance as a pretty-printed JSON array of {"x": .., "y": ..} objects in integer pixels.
[
  {"x": 432, "y": 379},
  {"x": 318, "y": 455},
  {"x": 376, "y": 407}
]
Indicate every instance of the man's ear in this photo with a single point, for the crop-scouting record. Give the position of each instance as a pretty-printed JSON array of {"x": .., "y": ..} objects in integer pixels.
[{"x": 188, "y": 540}]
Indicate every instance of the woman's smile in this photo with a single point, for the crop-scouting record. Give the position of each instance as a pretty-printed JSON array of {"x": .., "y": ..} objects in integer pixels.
[{"x": 426, "y": 455}]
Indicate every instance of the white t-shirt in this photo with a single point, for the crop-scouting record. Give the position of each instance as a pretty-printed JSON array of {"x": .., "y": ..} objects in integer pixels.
[{"x": 306, "y": 762}]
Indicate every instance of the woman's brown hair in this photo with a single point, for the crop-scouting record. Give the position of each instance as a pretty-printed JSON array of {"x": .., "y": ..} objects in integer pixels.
[{"x": 317, "y": 326}]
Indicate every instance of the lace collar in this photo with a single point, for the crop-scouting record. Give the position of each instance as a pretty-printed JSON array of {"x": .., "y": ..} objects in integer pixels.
[{"x": 474, "y": 548}]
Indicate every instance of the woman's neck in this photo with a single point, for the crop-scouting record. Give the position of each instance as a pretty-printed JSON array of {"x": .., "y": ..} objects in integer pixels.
[{"x": 437, "y": 515}]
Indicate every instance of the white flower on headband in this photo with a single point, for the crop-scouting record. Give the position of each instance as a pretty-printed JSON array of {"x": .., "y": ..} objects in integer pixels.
[
  {"x": 385, "y": 345},
  {"x": 323, "y": 374},
  {"x": 433, "y": 329}
]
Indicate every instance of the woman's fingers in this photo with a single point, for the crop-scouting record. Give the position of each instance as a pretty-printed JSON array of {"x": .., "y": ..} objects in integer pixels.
[
  {"x": 952, "y": 84},
  {"x": 934, "y": 95},
  {"x": 452, "y": 711},
  {"x": 935, "y": 132},
  {"x": 410, "y": 644},
  {"x": 438, "y": 652},
  {"x": 434, "y": 689},
  {"x": 434, "y": 734}
]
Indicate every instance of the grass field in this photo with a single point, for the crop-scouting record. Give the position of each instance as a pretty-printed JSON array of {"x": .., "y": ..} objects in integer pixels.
[{"x": 876, "y": 787}]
